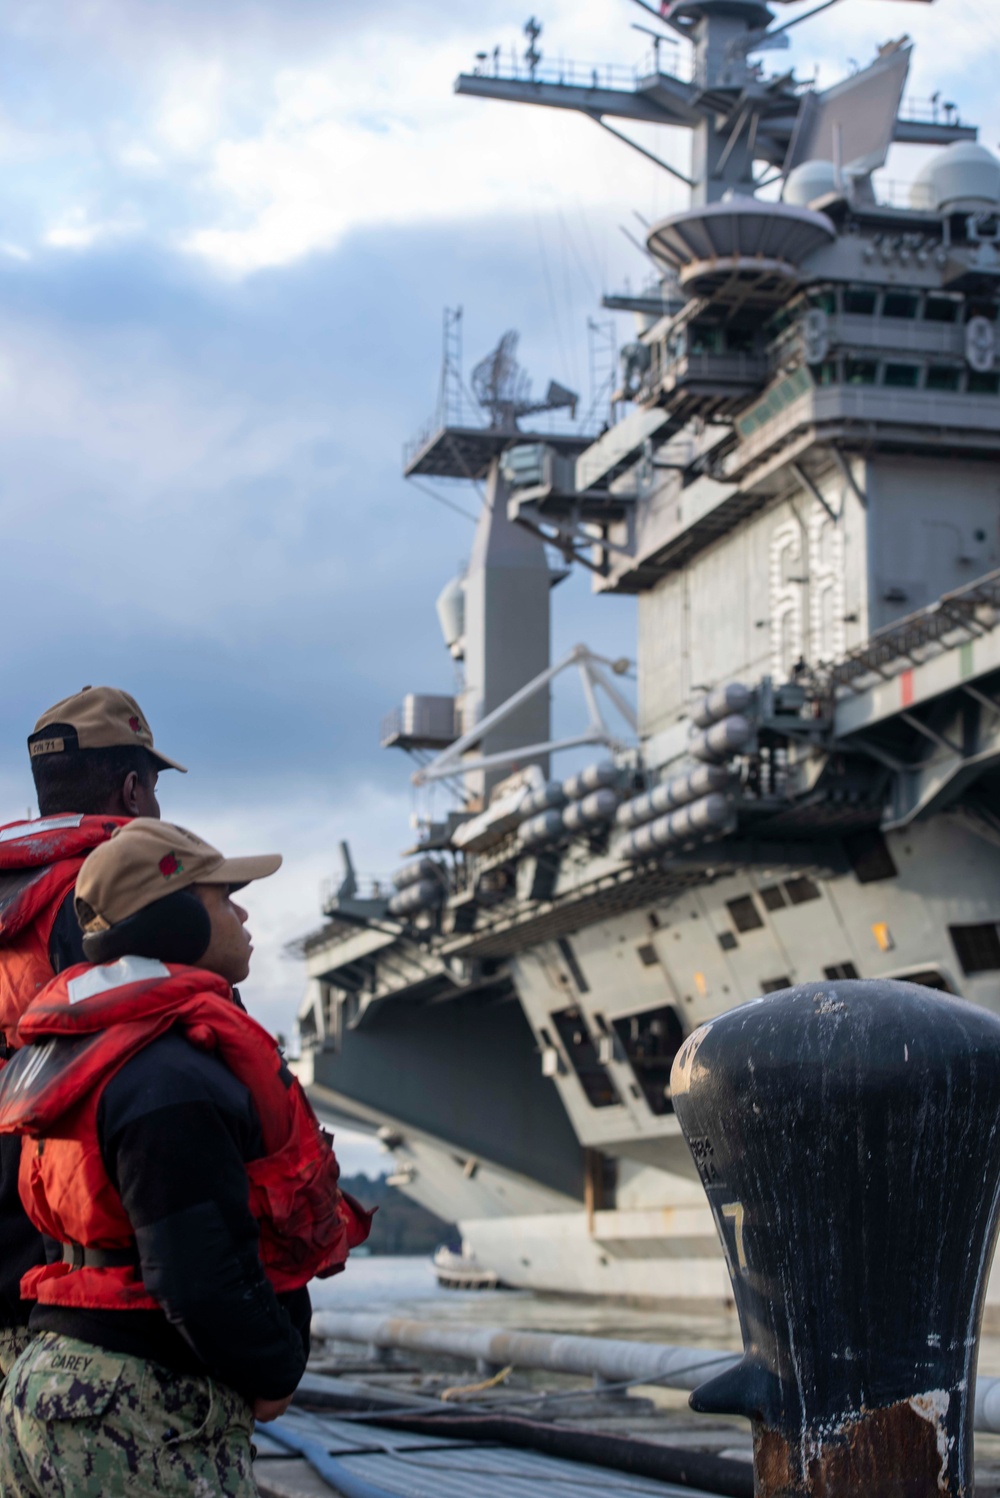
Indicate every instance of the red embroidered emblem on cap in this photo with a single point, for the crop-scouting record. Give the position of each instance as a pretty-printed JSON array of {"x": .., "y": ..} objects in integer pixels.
[
  {"x": 170, "y": 864},
  {"x": 135, "y": 724}
]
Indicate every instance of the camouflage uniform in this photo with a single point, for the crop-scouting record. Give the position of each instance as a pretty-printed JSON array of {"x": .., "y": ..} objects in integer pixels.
[
  {"x": 13, "y": 1341},
  {"x": 79, "y": 1422}
]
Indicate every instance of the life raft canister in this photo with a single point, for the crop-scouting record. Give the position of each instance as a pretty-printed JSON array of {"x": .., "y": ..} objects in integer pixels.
[
  {"x": 86, "y": 1024},
  {"x": 39, "y": 864}
]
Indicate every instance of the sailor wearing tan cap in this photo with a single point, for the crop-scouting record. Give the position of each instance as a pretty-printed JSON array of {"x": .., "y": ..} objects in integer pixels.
[
  {"x": 175, "y": 1159},
  {"x": 94, "y": 764}
]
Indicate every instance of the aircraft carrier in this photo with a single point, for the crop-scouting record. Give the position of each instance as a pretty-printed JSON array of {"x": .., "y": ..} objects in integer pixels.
[{"x": 800, "y": 487}]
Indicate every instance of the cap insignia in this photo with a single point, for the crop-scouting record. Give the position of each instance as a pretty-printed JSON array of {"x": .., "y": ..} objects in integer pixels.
[{"x": 170, "y": 865}]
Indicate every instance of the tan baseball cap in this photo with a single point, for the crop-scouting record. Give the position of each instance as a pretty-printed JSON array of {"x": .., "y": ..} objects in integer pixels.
[
  {"x": 145, "y": 860},
  {"x": 100, "y": 718}
]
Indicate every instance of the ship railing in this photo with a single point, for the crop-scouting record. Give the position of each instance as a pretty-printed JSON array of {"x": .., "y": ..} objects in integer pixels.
[
  {"x": 932, "y": 111},
  {"x": 542, "y": 424},
  {"x": 724, "y": 368},
  {"x": 367, "y": 887},
  {"x": 510, "y": 66},
  {"x": 894, "y": 193},
  {"x": 953, "y": 621},
  {"x": 467, "y": 415}
]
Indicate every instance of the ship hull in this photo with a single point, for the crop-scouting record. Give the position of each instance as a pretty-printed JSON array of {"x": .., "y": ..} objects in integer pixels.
[
  {"x": 803, "y": 500},
  {"x": 579, "y": 1180}
]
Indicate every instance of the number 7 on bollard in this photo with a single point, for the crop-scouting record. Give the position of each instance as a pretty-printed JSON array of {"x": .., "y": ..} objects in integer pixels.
[{"x": 733, "y": 1211}]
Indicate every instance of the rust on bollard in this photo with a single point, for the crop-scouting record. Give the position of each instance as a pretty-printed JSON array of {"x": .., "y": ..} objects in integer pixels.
[
  {"x": 847, "y": 1136},
  {"x": 863, "y": 1457}
]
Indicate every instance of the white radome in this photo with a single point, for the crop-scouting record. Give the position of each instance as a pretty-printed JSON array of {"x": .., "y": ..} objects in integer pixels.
[
  {"x": 964, "y": 178},
  {"x": 810, "y": 182}
]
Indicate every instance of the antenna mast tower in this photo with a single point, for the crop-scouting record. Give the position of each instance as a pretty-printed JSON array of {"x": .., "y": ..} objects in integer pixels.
[{"x": 738, "y": 117}]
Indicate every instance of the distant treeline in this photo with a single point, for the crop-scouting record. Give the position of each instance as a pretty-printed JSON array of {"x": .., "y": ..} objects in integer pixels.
[{"x": 401, "y": 1226}]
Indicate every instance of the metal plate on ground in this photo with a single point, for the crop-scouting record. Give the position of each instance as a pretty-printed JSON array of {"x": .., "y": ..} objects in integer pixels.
[
  {"x": 410, "y": 1466},
  {"x": 506, "y": 1473}
]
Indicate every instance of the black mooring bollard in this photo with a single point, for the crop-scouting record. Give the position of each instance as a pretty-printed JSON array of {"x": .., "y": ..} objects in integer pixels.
[{"x": 848, "y": 1138}]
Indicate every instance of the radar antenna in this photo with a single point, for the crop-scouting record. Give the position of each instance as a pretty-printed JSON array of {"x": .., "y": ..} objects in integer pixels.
[
  {"x": 503, "y": 388},
  {"x": 532, "y": 56}
]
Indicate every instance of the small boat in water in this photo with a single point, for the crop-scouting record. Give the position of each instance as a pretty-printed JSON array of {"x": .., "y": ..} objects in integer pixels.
[{"x": 462, "y": 1271}]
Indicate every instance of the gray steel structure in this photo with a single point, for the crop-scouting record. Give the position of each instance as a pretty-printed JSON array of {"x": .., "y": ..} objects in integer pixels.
[{"x": 803, "y": 495}]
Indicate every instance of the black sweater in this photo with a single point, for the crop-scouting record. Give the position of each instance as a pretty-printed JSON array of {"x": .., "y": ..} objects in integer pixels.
[{"x": 175, "y": 1130}]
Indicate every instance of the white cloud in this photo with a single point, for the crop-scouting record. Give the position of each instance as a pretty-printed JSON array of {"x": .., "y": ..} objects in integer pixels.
[
  {"x": 78, "y": 232},
  {"x": 950, "y": 38},
  {"x": 374, "y": 136},
  {"x": 192, "y": 113},
  {"x": 302, "y": 184},
  {"x": 139, "y": 157}
]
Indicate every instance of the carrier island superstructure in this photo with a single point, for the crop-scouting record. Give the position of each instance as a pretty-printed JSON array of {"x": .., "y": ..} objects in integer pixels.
[{"x": 802, "y": 490}]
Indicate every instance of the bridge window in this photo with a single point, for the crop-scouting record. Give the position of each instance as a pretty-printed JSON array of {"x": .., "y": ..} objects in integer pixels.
[
  {"x": 941, "y": 309},
  {"x": 983, "y": 384},
  {"x": 860, "y": 300},
  {"x": 902, "y": 376},
  {"x": 825, "y": 299},
  {"x": 705, "y": 339},
  {"x": 860, "y": 371},
  {"x": 740, "y": 340},
  {"x": 943, "y": 377},
  {"x": 900, "y": 304}
]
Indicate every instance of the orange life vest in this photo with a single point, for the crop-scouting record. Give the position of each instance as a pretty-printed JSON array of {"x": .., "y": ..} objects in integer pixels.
[
  {"x": 39, "y": 862},
  {"x": 84, "y": 1026}
]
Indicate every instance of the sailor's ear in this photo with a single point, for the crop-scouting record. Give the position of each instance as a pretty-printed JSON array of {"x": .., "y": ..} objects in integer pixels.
[{"x": 176, "y": 929}]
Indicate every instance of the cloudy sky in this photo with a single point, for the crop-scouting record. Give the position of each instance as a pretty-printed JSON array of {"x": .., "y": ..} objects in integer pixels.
[{"x": 227, "y": 233}]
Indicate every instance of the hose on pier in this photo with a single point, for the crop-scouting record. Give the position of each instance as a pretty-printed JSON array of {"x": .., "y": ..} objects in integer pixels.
[{"x": 613, "y": 1360}]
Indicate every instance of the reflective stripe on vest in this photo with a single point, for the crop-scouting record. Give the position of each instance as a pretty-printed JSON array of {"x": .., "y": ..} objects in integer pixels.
[
  {"x": 27, "y": 831},
  {"x": 97, "y": 980}
]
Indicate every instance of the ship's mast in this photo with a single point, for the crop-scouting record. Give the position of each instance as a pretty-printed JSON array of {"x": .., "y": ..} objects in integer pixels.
[
  {"x": 737, "y": 116},
  {"x": 503, "y": 636}
]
